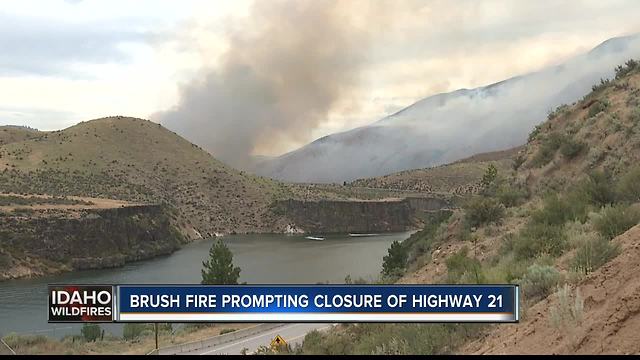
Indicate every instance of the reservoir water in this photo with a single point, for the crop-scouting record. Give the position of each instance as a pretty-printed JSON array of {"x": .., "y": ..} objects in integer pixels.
[{"x": 264, "y": 259}]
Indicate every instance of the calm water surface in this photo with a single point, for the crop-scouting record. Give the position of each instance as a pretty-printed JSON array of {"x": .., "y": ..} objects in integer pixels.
[{"x": 264, "y": 259}]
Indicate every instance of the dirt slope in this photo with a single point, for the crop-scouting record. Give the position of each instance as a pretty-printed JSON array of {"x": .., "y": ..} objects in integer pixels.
[{"x": 610, "y": 320}]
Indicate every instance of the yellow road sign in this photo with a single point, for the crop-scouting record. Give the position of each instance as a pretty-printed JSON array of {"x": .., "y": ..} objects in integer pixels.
[{"x": 278, "y": 342}]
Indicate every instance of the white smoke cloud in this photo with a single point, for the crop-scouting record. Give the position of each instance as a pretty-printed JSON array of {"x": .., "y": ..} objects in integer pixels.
[{"x": 447, "y": 127}]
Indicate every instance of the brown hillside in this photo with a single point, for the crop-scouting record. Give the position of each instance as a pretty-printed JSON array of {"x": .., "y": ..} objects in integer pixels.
[
  {"x": 138, "y": 160},
  {"x": 600, "y": 132},
  {"x": 586, "y": 155},
  {"x": 610, "y": 320},
  {"x": 462, "y": 177},
  {"x": 10, "y": 134}
]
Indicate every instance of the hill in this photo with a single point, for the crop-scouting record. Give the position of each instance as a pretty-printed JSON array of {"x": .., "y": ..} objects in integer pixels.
[
  {"x": 446, "y": 127},
  {"x": 562, "y": 223},
  {"x": 458, "y": 178},
  {"x": 562, "y": 240},
  {"x": 10, "y": 134},
  {"x": 138, "y": 160},
  {"x": 609, "y": 318},
  {"x": 134, "y": 190}
]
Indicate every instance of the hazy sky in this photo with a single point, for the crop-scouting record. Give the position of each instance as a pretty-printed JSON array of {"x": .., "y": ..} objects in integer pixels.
[{"x": 62, "y": 62}]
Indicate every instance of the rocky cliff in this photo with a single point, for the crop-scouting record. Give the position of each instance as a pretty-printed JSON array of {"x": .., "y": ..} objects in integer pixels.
[
  {"x": 357, "y": 216},
  {"x": 34, "y": 242}
]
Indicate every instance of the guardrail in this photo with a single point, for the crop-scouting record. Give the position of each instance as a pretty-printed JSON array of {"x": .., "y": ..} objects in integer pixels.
[
  {"x": 216, "y": 340},
  {"x": 8, "y": 347}
]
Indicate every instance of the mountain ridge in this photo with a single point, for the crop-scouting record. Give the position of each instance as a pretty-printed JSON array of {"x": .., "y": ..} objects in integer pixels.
[{"x": 428, "y": 132}]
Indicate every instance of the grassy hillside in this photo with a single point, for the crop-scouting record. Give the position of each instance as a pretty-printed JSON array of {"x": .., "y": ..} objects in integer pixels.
[
  {"x": 598, "y": 133},
  {"x": 461, "y": 177},
  {"x": 10, "y": 134},
  {"x": 557, "y": 223},
  {"x": 138, "y": 160}
]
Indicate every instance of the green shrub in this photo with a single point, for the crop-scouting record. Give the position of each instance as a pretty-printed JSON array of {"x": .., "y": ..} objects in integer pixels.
[
  {"x": 593, "y": 253},
  {"x": 628, "y": 67},
  {"x": 389, "y": 339},
  {"x": 628, "y": 187},
  {"x": 420, "y": 244},
  {"x": 597, "y": 107},
  {"x": 133, "y": 331},
  {"x": 534, "y": 133},
  {"x": 604, "y": 83},
  {"x": 90, "y": 332},
  {"x": 539, "y": 281},
  {"x": 506, "y": 268},
  {"x": 511, "y": 195},
  {"x": 548, "y": 149},
  {"x": 598, "y": 189},
  {"x": 571, "y": 148},
  {"x": 227, "y": 330},
  {"x": 557, "y": 211},
  {"x": 481, "y": 210},
  {"x": 460, "y": 265},
  {"x": 537, "y": 239},
  {"x": 561, "y": 109},
  {"x": 616, "y": 220}
]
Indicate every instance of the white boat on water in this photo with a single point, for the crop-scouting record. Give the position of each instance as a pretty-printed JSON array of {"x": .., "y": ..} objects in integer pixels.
[
  {"x": 314, "y": 238},
  {"x": 363, "y": 235}
]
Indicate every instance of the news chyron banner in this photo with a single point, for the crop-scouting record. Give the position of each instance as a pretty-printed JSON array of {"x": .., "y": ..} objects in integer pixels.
[
  {"x": 81, "y": 303},
  {"x": 284, "y": 303}
]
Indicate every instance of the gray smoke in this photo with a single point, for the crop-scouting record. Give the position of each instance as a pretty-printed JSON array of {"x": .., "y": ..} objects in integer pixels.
[
  {"x": 281, "y": 76},
  {"x": 450, "y": 126}
]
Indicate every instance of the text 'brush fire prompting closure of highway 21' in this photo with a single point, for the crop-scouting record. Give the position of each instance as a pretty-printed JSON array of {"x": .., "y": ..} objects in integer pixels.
[{"x": 283, "y": 303}]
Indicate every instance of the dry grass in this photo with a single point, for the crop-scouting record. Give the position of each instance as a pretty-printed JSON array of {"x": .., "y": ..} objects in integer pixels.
[{"x": 24, "y": 345}]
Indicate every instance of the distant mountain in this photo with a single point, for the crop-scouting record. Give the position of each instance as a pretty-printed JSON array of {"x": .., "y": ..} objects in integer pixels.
[{"x": 447, "y": 127}]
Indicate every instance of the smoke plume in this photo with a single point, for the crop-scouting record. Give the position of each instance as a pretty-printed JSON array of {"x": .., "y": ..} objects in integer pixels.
[{"x": 284, "y": 70}]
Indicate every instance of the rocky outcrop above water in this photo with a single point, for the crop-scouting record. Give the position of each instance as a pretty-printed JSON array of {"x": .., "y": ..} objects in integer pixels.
[
  {"x": 49, "y": 241},
  {"x": 357, "y": 216}
]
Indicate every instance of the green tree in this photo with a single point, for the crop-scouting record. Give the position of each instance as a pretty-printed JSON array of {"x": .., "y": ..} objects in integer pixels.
[
  {"x": 489, "y": 176},
  {"x": 395, "y": 261},
  {"x": 219, "y": 269}
]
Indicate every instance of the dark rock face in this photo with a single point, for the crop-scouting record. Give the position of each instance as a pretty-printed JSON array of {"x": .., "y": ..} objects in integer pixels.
[
  {"x": 357, "y": 216},
  {"x": 428, "y": 204},
  {"x": 94, "y": 238}
]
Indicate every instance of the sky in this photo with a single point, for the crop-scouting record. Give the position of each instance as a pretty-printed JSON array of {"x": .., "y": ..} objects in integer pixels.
[{"x": 278, "y": 73}]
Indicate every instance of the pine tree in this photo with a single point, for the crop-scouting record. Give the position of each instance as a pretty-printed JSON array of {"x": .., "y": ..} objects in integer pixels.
[
  {"x": 489, "y": 176},
  {"x": 219, "y": 269},
  {"x": 395, "y": 260}
]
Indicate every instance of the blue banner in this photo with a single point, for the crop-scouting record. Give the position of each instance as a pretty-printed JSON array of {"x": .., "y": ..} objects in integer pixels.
[{"x": 318, "y": 303}]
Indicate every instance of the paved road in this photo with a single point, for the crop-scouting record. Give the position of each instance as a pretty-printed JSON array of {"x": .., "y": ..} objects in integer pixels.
[{"x": 293, "y": 334}]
